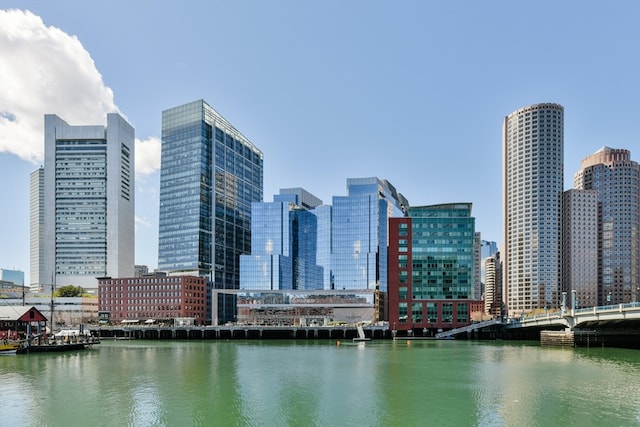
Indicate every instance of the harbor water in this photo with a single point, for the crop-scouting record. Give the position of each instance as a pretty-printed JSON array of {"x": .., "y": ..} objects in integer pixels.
[{"x": 322, "y": 383}]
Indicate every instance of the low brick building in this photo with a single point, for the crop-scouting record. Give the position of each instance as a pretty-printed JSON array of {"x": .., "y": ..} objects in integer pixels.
[{"x": 153, "y": 298}]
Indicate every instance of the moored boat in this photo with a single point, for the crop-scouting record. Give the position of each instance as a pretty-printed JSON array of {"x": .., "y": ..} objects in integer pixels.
[
  {"x": 41, "y": 345},
  {"x": 9, "y": 346}
]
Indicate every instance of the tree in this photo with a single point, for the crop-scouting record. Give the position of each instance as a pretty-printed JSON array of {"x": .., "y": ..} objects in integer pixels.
[{"x": 69, "y": 291}]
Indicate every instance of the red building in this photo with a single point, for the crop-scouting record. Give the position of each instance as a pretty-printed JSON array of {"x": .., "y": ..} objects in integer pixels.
[
  {"x": 153, "y": 298},
  {"x": 430, "y": 269},
  {"x": 15, "y": 321}
]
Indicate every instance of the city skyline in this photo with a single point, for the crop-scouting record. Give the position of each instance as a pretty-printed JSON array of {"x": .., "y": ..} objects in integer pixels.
[{"x": 402, "y": 93}]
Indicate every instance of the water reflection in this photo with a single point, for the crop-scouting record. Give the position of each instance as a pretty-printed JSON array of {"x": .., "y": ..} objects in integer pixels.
[{"x": 378, "y": 383}]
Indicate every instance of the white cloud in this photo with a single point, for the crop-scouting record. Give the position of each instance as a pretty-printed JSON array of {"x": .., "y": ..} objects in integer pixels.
[
  {"x": 147, "y": 156},
  {"x": 142, "y": 222},
  {"x": 44, "y": 70}
]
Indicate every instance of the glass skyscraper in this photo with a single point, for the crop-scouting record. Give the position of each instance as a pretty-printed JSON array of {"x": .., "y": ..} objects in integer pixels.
[
  {"x": 359, "y": 233},
  {"x": 210, "y": 174},
  {"x": 616, "y": 180},
  {"x": 284, "y": 244},
  {"x": 88, "y": 203},
  {"x": 533, "y": 144}
]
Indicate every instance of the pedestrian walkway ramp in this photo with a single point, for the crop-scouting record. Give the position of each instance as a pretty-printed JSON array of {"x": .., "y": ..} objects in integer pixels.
[{"x": 472, "y": 327}]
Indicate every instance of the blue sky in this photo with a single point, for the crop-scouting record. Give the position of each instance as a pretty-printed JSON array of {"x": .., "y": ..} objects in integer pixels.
[{"x": 413, "y": 91}]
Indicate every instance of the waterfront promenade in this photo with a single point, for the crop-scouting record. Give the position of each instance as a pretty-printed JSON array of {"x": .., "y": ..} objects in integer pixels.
[{"x": 154, "y": 332}]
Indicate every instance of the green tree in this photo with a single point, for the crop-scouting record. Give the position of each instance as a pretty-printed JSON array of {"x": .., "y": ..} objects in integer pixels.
[{"x": 69, "y": 291}]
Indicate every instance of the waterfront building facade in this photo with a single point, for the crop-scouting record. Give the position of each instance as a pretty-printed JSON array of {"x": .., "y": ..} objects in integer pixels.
[
  {"x": 283, "y": 242},
  {"x": 153, "y": 299},
  {"x": 210, "y": 174},
  {"x": 580, "y": 248},
  {"x": 359, "y": 233},
  {"x": 36, "y": 230},
  {"x": 431, "y": 268},
  {"x": 89, "y": 199},
  {"x": 533, "y": 152},
  {"x": 615, "y": 178}
]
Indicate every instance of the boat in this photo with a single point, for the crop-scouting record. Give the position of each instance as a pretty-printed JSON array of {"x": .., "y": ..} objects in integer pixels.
[
  {"x": 57, "y": 343},
  {"x": 9, "y": 346},
  {"x": 63, "y": 340}
]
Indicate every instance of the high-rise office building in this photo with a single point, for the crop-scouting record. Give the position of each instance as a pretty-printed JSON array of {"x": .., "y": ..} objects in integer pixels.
[
  {"x": 210, "y": 174},
  {"x": 533, "y": 144},
  {"x": 359, "y": 233},
  {"x": 616, "y": 180},
  {"x": 88, "y": 202},
  {"x": 283, "y": 242},
  {"x": 36, "y": 230},
  {"x": 580, "y": 248},
  {"x": 431, "y": 267}
]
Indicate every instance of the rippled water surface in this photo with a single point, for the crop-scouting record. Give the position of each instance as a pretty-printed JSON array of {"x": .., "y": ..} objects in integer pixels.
[{"x": 298, "y": 383}]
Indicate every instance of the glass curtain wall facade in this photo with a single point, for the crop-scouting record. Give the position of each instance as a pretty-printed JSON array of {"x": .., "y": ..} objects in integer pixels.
[
  {"x": 359, "y": 233},
  {"x": 616, "y": 180},
  {"x": 88, "y": 201},
  {"x": 533, "y": 155},
  {"x": 432, "y": 261},
  {"x": 210, "y": 174},
  {"x": 284, "y": 244}
]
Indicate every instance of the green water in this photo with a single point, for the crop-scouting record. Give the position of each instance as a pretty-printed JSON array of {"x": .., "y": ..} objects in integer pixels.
[{"x": 299, "y": 383}]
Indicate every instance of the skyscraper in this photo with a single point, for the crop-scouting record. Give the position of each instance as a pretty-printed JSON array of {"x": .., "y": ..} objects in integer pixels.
[
  {"x": 88, "y": 202},
  {"x": 533, "y": 144},
  {"x": 283, "y": 242},
  {"x": 493, "y": 285},
  {"x": 616, "y": 180},
  {"x": 210, "y": 174},
  {"x": 36, "y": 230},
  {"x": 359, "y": 233},
  {"x": 580, "y": 247}
]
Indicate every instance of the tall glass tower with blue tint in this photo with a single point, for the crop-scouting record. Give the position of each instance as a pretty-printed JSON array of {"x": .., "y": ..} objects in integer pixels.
[
  {"x": 284, "y": 244},
  {"x": 359, "y": 233},
  {"x": 210, "y": 174}
]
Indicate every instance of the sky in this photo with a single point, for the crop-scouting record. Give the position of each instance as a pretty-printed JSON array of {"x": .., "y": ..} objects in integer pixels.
[{"x": 414, "y": 92}]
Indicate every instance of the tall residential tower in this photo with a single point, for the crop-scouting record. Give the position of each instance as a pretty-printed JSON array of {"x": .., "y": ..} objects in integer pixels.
[
  {"x": 533, "y": 142},
  {"x": 615, "y": 178}
]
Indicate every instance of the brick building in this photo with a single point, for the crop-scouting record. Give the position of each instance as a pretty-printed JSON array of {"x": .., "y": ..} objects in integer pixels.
[{"x": 153, "y": 298}]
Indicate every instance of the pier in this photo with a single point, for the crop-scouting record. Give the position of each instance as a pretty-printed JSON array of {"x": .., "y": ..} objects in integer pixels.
[{"x": 155, "y": 332}]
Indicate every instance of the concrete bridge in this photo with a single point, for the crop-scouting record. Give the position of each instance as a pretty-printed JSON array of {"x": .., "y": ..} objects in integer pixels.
[{"x": 604, "y": 317}]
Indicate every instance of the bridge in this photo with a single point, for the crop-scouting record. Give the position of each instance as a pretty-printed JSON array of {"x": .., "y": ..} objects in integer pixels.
[
  {"x": 611, "y": 325},
  {"x": 608, "y": 316}
]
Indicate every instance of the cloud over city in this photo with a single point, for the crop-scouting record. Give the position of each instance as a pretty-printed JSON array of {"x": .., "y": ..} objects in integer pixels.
[{"x": 44, "y": 70}]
